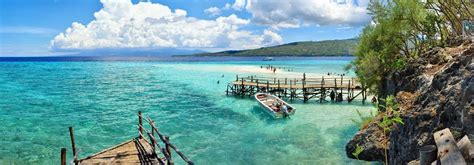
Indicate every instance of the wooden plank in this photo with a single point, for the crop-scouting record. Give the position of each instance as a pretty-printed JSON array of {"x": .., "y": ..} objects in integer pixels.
[
  {"x": 134, "y": 151},
  {"x": 466, "y": 148},
  {"x": 448, "y": 151}
]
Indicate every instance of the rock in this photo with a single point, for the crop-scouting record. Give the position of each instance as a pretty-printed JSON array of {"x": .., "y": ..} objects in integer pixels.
[
  {"x": 440, "y": 96},
  {"x": 370, "y": 142}
]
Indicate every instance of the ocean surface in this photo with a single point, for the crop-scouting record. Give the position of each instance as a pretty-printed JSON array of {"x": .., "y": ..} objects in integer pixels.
[{"x": 41, "y": 97}]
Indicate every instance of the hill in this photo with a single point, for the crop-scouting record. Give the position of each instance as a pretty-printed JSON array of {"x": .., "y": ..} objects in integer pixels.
[{"x": 307, "y": 48}]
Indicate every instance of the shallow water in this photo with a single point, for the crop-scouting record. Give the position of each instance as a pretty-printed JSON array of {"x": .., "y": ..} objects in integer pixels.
[{"x": 39, "y": 100}]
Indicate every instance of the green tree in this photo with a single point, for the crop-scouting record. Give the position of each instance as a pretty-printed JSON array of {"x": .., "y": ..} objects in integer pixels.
[{"x": 402, "y": 30}]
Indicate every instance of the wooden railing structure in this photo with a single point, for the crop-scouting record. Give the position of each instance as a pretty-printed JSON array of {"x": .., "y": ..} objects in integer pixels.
[
  {"x": 139, "y": 150},
  {"x": 299, "y": 88},
  {"x": 152, "y": 141}
]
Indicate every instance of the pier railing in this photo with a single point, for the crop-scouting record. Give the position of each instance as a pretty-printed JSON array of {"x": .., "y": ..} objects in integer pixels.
[
  {"x": 336, "y": 87},
  {"x": 153, "y": 141},
  {"x": 329, "y": 81}
]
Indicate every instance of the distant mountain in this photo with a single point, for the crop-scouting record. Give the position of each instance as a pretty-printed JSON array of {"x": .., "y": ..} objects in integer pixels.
[{"x": 307, "y": 48}]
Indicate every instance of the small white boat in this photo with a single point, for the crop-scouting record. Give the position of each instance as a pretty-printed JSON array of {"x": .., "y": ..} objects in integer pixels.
[{"x": 269, "y": 103}]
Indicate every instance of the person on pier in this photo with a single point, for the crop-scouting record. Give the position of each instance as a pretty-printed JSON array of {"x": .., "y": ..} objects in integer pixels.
[
  {"x": 339, "y": 97},
  {"x": 332, "y": 95},
  {"x": 374, "y": 100}
]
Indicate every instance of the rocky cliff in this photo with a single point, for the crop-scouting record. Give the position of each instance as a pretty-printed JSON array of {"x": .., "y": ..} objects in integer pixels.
[{"x": 435, "y": 91}]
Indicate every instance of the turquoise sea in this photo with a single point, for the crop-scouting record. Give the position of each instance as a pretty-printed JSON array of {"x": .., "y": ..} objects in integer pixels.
[{"x": 39, "y": 100}]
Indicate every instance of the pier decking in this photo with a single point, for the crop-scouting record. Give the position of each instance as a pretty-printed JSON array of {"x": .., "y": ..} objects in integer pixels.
[
  {"x": 337, "y": 88},
  {"x": 135, "y": 151},
  {"x": 139, "y": 150}
]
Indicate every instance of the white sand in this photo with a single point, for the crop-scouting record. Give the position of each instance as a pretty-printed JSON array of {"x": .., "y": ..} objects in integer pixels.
[{"x": 245, "y": 70}]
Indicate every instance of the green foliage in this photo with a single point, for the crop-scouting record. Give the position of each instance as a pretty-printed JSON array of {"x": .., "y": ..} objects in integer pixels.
[
  {"x": 390, "y": 118},
  {"x": 319, "y": 48},
  {"x": 402, "y": 30},
  {"x": 391, "y": 108},
  {"x": 357, "y": 151},
  {"x": 387, "y": 122},
  {"x": 363, "y": 121}
]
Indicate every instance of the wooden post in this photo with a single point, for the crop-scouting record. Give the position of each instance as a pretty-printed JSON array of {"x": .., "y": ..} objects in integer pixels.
[
  {"x": 153, "y": 141},
  {"x": 236, "y": 77},
  {"x": 286, "y": 80},
  {"x": 305, "y": 98},
  {"x": 348, "y": 91},
  {"x": 268, "y": 85},
  {"x": 341, "y": 88},
  {"x": 274, "y": 80},
  {"x": 258, "y": 90},
  {"x": 168, "y": 150},
  {"x": 71, "y": 134},
  {"x": 291, "y": 91},
  {"x": 227, "y": 90},
  {"x": 140, "y": 124},
  {"x": 279, "y": 89},
  {"x": 251, "y": 78},
  {"x": 242, "y": 89},
  {"x": 427, "y": 154},
  {"x": 321, "y": 93},
  {"x": 448, "y": 151},
  {"x": 63, "y": 156}
]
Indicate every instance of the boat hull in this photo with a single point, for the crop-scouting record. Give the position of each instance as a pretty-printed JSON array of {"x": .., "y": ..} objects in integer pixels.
[{"x": 265, "y": 100}]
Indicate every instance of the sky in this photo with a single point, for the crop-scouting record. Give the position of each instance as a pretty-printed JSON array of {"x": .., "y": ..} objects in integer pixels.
[{"x": 62, "y": 27}]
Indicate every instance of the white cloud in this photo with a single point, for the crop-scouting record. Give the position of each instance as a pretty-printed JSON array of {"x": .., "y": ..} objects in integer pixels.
[
  {"x": 213, "y": 11},
  {"x": 227, "y": 6},
  {"x": 297, "y": 13},
  {"x": 121, "y": 24},
  {"x": 239, "y": 4}
]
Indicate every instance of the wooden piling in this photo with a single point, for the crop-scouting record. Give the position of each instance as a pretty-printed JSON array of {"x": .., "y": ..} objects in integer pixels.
[
  {"x": 268, "y": 86},
  {"x": 279, "y": 89},
  {"x": 63, "y": 156},
  {"x": 258, "y": 88},
  {"x": 73, "y": 145},
  {"x": 242, "y": 88},
  {"x": 321, "y": 94},
  {"x": 291, "y": 92},
  {"x": 348, "y": 91}
]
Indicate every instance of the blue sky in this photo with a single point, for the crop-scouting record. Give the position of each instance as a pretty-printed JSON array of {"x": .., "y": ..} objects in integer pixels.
[{"x": 39, "y": 27}]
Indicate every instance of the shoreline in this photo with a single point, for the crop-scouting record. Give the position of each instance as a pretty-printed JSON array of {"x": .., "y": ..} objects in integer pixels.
[{"x": 145, "y": 58}]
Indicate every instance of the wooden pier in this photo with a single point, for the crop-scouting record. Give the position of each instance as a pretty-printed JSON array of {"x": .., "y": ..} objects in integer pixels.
[
  {"x": 336, "y": 88},
  {"x": 157, "y": 149}
]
